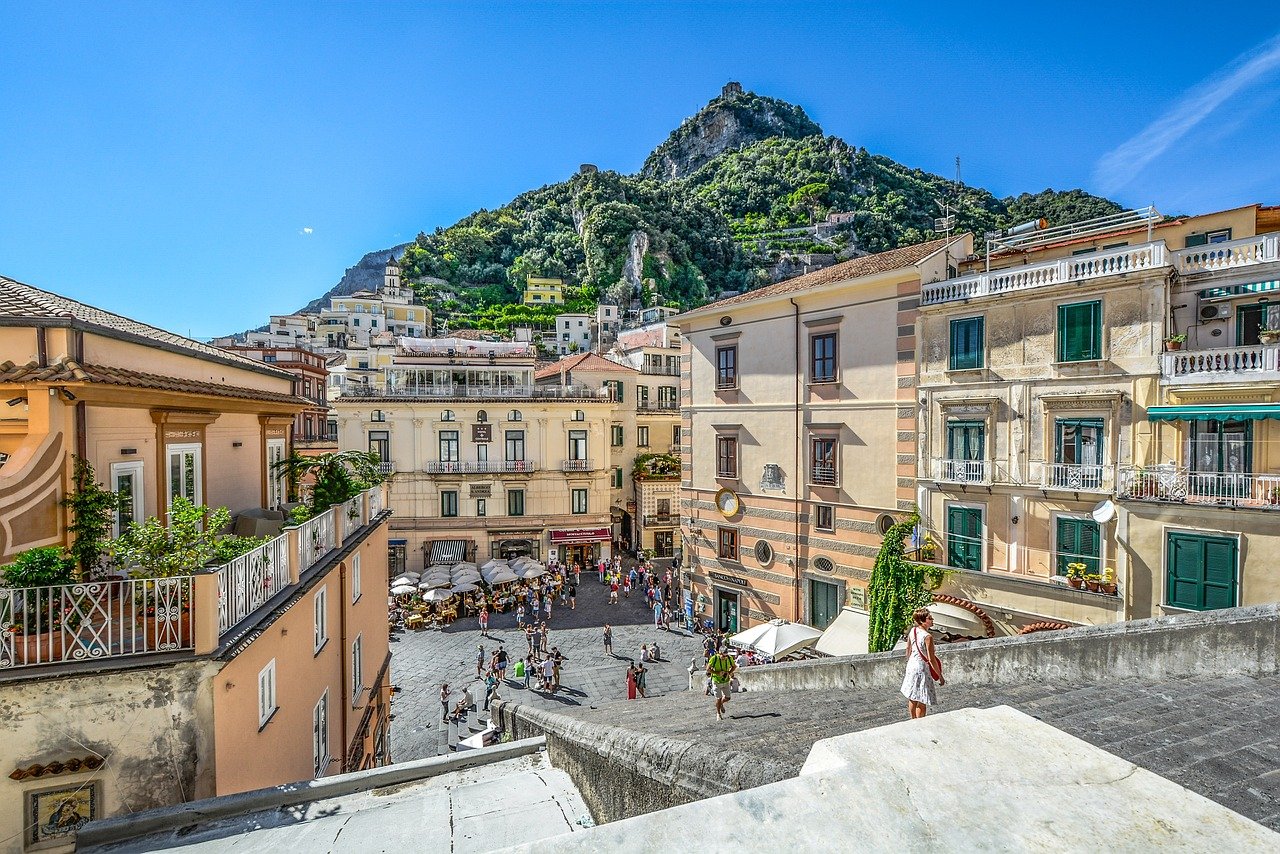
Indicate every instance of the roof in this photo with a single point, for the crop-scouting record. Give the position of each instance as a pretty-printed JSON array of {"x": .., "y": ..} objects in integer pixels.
[
  {"x": 21, "y": 303},
  {"x": 856, "y": 268},
  {"x": 71, "y": 371},
  {"x": 582, "y": 362}
]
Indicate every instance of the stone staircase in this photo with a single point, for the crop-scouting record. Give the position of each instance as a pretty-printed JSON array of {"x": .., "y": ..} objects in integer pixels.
[{"x": 450, "y": 732}]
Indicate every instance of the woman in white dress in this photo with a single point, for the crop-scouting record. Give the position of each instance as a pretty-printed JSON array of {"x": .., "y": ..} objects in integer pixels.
[{"x": 923, "y": 666}]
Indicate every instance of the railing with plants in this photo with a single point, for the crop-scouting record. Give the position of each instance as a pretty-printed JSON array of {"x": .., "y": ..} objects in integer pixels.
[
  {"x": 94, "y": 620},
  {"x": 315, "y": 538},
  {"x": 352, "y": 515},
  {"x": 375, "y": 501},
  {"x": 248, "y": 581}
]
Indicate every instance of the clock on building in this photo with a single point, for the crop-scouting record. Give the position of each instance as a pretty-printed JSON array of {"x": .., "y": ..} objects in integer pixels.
[{"x": 727, "y": 503}]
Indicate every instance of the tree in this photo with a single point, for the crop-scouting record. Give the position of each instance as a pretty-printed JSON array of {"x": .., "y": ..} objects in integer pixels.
[
  {"x": 92, "y": 508},
  {"x": 336, "y": 477},
  {"x": 898, "y": 587}
]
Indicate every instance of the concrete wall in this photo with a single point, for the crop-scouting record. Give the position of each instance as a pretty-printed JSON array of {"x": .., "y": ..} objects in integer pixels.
[
  {"x": 1239, "y": 640},
  {"x": 621, "y": 774}
]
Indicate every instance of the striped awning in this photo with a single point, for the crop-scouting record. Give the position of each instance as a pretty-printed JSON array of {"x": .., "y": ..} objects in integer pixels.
[
  {"x": 1240, "y": 290},
  {"x": 447, "y": 551},
  {"x": 1231, "y": 412}
]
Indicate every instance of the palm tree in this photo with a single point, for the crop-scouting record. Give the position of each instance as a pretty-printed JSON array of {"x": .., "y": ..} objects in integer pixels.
[{"x": 336, "y": 477}]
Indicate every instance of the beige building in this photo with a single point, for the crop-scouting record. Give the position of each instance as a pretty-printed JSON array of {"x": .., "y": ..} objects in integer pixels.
[
  {"x": 800, "y": 435},
  {"x": 353, "y": 321},
  {"x": 1044, "y": 395},
  {"x": 487, "y": 463},
  {"x": 124, "y": 693}
]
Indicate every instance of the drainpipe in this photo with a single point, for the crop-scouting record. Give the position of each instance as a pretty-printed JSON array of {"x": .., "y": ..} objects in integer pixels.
[
  {"x": 795, "y": 570},
  {"x": 343, "y": 700}
]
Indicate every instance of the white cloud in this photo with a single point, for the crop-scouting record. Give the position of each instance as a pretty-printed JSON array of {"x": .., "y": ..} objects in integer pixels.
[
  {"x": 1122, "y": 164},
  {"x": 306, "y": 230}
]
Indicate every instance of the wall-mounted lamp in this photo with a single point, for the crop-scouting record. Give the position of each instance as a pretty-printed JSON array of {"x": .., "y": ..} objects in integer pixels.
[
  {"x": 14, "y": 401},
  {"x": 66, "y": 394},
  {"x": 237, "y": 444},
  {"x": 128, "y": 452}
]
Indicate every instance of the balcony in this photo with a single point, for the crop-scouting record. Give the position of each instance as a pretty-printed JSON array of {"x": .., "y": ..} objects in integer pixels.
[
  {"x": 386, "y": 468},
  {"x": 661, "y": 370},
  {"x": 480, "y": 467},
  {"x": 667, "y": 520},
  {"x": 1076, "y": 478},
  {"x": 824, "y": 475},
  {"x": 1232, "y": 255},
  {"x": 578, "y": 465},
  {"x": 1078, "y": 268},
  {"x": 1225, "y": 364},
  {"x": 666, "y": 406},
  {"x": 1182, "y": 486},
  {"x": 444, "y": 392},
  {"x": 962, "y": 471}
]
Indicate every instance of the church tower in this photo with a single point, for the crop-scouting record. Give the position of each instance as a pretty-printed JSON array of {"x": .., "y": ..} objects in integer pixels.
[{"x": 391, "y": 280}]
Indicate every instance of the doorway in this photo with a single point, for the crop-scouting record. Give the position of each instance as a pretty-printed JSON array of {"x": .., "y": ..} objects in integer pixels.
[
  {"x": 663, "y": 543},
  {"x": 727, "y": 612},
  {"x": 584, "y": 555}
]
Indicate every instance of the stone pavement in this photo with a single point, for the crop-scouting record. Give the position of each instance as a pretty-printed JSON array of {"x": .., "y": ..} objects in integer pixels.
[
  {"x": 1217, "y": 736},
  {"x": 420, "y": 661}
]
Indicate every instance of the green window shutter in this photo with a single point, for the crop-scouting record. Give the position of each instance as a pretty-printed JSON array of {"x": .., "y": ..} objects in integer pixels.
[
  {"x": 1201, "y": 572},
  {"x": 1079, "y": 541},
  {"x": 964, "y": 537},
  {"x": 1080, "y": 331},
  {"x": 966, "y": 343},
  {"x": 1219, "y": 573}
]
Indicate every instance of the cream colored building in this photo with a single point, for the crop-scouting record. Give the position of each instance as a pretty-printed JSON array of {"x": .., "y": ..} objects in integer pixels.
[
  {"x": 146, "y": 692},
  {"x": 352, "y": 322},
  {"x": 1043, "y": 385},
  {"x": 800, "y": 435}
]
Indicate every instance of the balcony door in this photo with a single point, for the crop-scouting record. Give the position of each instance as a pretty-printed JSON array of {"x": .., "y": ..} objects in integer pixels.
[
  {"x": 966, "y": 450},
  {"x": 964, "y": 537},
  {"x": 1078, "y": 453},
  {"x": 1221, "y": 457},
  {"x": 1250, "y": 319}
]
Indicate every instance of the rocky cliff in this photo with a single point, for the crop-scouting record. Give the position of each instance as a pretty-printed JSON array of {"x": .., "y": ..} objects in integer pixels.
[{"x": 365, "y": 275}]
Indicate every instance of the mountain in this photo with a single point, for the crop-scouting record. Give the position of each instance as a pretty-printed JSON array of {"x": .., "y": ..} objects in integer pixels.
[
  {"x": 365, "y": 275},
  {"x": 747, "y": 191}
]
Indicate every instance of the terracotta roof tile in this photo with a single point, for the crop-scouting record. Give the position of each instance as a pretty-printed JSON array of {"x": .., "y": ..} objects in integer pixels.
[
  {"x": 582, "y": 362},
  {"x": 18, "y": 300},
  {"x": 70, "y": 371},
  {"x": 867, "y": 265}
]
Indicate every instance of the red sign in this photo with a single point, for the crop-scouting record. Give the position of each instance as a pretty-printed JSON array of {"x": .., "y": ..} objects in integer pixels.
[{"x": 582, "y": 535}]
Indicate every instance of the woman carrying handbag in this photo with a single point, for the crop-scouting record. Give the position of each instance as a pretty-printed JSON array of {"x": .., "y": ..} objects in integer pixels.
[{"x": 923, "y": 667}]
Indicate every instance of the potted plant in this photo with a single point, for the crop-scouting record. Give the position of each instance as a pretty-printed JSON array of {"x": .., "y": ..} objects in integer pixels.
[
  {"x": 1269, "y": 336},
  {"x": 1108, "y": 584},
  {"x": 1174, "y": 342},
  {"x": 1091, "y": 581},
  {"x": 1075, "y": 575},
  {"x": 1273, "y": 495},
  {"x": 928, "y": 549},
  {"x": 35, "y": 615}
]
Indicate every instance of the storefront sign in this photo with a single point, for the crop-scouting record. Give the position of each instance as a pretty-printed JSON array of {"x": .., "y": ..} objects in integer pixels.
[
  {"x": 582, "y": 535},
  {"x": 482, "y": 432},
  {"x": 728, "y": 579}
]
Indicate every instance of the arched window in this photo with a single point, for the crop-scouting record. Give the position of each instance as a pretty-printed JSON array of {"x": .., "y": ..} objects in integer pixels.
[
  {"x": 579, "y": 415},
  {"x": 514, "y": 415},
  {"x": 447, "y": 416},
  {"x": 482, "y": 416}
]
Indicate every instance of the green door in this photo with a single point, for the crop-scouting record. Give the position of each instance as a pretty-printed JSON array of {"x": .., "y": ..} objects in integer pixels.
[
  {"x": 824, "y": 603},
  {"x": 1079, "y": 541},
  {"x": 964, "y": 537},
  {"x": 1201, "y": 572},
  {"x": 1249, "y": 320}
]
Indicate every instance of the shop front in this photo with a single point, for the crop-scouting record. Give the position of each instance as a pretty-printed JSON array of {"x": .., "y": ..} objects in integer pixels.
[
  {"x": 583, "y": 546},
  {"x": 509, "y": 545}
]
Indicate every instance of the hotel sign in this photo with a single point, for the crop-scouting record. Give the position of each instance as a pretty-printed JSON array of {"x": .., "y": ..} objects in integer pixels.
[{"x": 482, "y": 432}]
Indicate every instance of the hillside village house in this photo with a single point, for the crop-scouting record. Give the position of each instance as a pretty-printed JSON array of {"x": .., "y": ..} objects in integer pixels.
[
  {"x": 127, "y": 693},
  {"x": 800, "y": 435},
  {"x": 1104, "y": 396}
]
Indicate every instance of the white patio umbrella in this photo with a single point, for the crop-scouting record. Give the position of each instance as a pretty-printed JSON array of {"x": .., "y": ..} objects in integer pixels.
[
  {"x": 504, "y": 578},
  {"x": 429, "y": 584},
  {"x": 521, "y": 561},
  {"x": 533, "y": 571},
  {"x": 494, "y": 563},
  {"x": 464, "y": 565},
  {"x": 465, "y": 587},
  {"x": 440, "y": 567},
  {"x": 404, "y": 589},
  {"x": 776, "y": 638},
  {"x": 409, "y": 573},
  {"x": 438, "y": 595}
]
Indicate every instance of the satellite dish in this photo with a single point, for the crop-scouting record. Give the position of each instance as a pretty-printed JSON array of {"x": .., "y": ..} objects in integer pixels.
[{"x": 1103, "y": 512}]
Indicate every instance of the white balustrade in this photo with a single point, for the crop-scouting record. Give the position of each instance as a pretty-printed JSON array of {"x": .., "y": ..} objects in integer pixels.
[
  {"x": 962, "y": 471},
  {"x": 1221, "y": 363},
  {"x": 1128, "y": 259},
  {"x": 1076, "y": 477},
  {"x": 315, "y": 539},
  {"x": 375, "y": 501},
  {"x": 1168, "y": 483},
  {"x": 95, "y": 620},
  {"x": 247, "y": 582},
  {"x": 1212, "y": 257}
]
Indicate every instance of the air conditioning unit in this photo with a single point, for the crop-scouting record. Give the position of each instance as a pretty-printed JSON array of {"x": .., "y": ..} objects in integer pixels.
[{"x": 1215, "y": 311}]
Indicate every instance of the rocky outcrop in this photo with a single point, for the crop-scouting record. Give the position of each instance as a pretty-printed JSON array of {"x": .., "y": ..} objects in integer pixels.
[{"x": 365, "y": 275}]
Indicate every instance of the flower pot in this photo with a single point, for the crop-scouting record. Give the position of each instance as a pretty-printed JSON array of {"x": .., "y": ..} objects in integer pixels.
[
  {"x": 1269, "y": 336},
  {"x": 38, "y": 648},
  {"x": 1109, "y": 589},
  {"x": 1092, "y": 586},
  {"x": 1075, "y": 582},
  {"x": 1173, "y": 345}
]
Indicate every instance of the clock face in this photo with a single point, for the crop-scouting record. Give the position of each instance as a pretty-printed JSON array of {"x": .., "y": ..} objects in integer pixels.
[{"x": 727, "y": 502}]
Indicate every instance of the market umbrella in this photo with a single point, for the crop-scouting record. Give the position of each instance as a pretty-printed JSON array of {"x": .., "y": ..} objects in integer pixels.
[
  {"x": 406, "y": 579},
  {"x": 437, "y": 595},
  {"x": 464, "y": 565},
  {"x": 504, "y": 578},
  {"x": 428, "y": 583},
  {"x": 776, "y": 638},
  {"x": 465, "y": 587},
  {"x": 494, "y": 563},
  {"x": 403, "y": 589},
  {"x": 533, "y": 571}
]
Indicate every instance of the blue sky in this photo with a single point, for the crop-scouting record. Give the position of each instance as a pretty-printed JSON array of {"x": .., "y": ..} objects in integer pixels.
[{"x": 201, "y": 165}]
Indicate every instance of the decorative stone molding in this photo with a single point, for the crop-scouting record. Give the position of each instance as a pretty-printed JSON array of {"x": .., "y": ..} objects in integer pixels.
[{"x": 52, "y": 769}]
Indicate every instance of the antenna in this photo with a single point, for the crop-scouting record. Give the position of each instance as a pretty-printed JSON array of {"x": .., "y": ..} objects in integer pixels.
[{"x": 947, "y": 221}]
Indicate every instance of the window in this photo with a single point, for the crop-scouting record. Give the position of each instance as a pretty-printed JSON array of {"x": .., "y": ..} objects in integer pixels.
[
  {"x": 515, "y": 502},
  {"x": 642, "y": 397},
  {"x": 615, "y": 435},
  {"x": 320, "y": 735},
  {"x": 822, "y": 358},
  {"x": 321, "y": 606},
  {"x": 515, "y": 446},
  {"x": 1078, "y": 452},
  {"x": 667, "y": 397},
  {"x": 577, "y": 444},
  {"x": 664, "y": 507},
  {"x": 617, "y": 478},
  {"x": 616, "y": 387},
  {"x": 1221, "y": 235},
  {"x": 380, "y": 444},
  {"x": 447, "y": 415},
  {"x": 126, "y": 482},
  {"x": 1078, "y": 541},
  {"x": 357, "y": 668},
  {"x": 448, "y": 503},
  {"x": 514, "y": 415},
  {"x": 482, "y": 416},
  {"x": 966, "y": 452},
  {"x": 964, "y": 537},
  {"x": 448, "y": 446},
  {"x": 1201, "y": 572},
  {"x": 184, "y": 472},
  {"x": 266, "y": 693},
  {"x": 727, "y": 367},
  {"x": 274, "y": 473},
  {"x": 1080, "y": 331},
  {"x": 579, "y": 415},
  {"x": 729, "y": 543},
  {"x": 764, "y": 552},
  {"x": 579, "y": 499},
  {"x": 356, "y": 580},
  {"x": 482, "y": 453},
  {"x": 966, "y": 343},
  {"x": 377, "y": 415},
  {"x": 481, "y": 507},
  {"x": 675, "y": 434},
  {"x": 642, "y": 436},
  {"x": 726, "y": 456},
  {"x": 823, "y": 564},
  {"x": 824, "y": 517},
  {"x": 824, "y": 471}
]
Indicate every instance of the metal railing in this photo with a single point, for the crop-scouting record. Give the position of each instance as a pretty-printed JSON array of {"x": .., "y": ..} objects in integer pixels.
[
  {"x": 1212, "y": 257},
  {"x": 95, "y": 620},
  {"x": 386, "y": 467},
  {"x": 822, "y": 474},
  {"x": 315, "y": 538},
  {"x": 1078, "y": 478},
  {"x": 661, "y": 520},
  {"x": 658, "y": 406},
  {"x": 962, "y": 471},
  {"x": 1254, "y": 361},
  {"x": 435, "y": 392},
  {"x": 578, "y": 465},
  {"x": 479, "y": 467},
  {"x": 1168, "y": 483},
  {"x": 247, "y": 582},
  {"x": 660, "y": 370}
]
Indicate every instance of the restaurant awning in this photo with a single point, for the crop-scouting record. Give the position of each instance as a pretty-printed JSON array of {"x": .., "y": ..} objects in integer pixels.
[
  {"x": 447, "y": 551},
  {"x": 1231, "y": 412},
  {"x": 1239, "y": 290}
]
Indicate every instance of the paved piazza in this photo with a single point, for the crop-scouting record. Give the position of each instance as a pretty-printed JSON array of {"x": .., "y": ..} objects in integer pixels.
[{"x": 420, "y": 661}]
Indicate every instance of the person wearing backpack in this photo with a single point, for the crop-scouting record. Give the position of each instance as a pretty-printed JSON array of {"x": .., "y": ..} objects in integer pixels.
[{"x": 720, "y": 667}]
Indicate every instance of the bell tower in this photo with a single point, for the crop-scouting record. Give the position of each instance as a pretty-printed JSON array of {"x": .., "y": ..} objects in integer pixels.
[{"x": 391, "y": 279}]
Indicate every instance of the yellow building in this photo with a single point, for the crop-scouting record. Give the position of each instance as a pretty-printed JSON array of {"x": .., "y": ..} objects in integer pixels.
[
  {"x": 543, "y": 291},
  {"x": 126, "y": 693}
]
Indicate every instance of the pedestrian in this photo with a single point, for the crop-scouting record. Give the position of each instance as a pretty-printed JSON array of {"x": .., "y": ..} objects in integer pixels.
[
  {"x": 666, "y": 617},
  {"x": 721, "y": 668},
  {"x": 644, "y": 652},
  {"x": 694, "y": 667},
  {"x": 631, "y": 680},
  {"x": 444, "y": 700},
  {"x": 546, "y": 637},
  {"x": 923, "y": 667},
  {"x": 602, "y": 565},
  {"x": 484, "y": 620},
  {"x": 657, "y": 615},
  {"x": 608, "y": 640},
  {"x": 502, "y": 664},
  {"x": 641, "y": 672},
  {"x": 520, "y": 615},
  {"x": 655, "y": 652},
  {"x": 479, "y": 660},
  {"x": 528, "y": 670},
  {"x": 549, "y": 674},
  {"x": 465, "y": 702},
  {"x": 490, "y": 690},
  {"x": 613, "y": 591},
  {"x": 573, "y": 596},
  {"x": 547, "y": 604}
]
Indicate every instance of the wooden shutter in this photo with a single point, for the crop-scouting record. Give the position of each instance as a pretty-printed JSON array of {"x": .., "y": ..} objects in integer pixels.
[
  {"x": 964, "y": 537},
  {"x": 1080, "y": 332},
  {"x": 1201, "y": 572},
  {"x": 966, "y": 343}
]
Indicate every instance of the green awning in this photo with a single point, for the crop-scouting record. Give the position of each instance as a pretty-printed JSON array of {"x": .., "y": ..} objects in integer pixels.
[
  {"x": 1240, "y": 290},
  {"x": 1235, "y": 412}
]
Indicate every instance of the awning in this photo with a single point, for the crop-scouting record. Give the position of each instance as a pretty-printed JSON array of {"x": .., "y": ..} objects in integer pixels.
[
  {"x": 1232, "y": 412},
  {"x": 447, "y": 551},
  {"x": 1239, "y": 290},
  {"x": 847, "y": 634},
  {"x": 581, "y": 535},
  {"x": 397, "y": 541}
]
